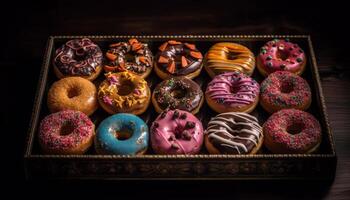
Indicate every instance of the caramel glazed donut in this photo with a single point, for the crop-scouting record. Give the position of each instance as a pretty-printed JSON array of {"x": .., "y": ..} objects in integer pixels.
[
  {"x": 78, "y": 57},
  {"x": 178, "y": 93},
  {"x": 233, "y": 133},
  {"x": 124, "y": 92},
  {"x": 73, "y": 93},
  {"x": 227, "y": 57},
  {"x": 178, "y": 59},
  {"x": 119, "y": 53}
]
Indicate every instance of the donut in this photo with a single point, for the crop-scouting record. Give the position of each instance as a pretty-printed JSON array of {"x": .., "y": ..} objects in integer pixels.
[
  {"x": 284, "y": 89},
  {"x": 122, "y": 134},
  {"x": 73, "y": 93},
  {"x": 292, "y": 131},
  {"x": 281, "y": 55},
  {"x": 178, "y": 93},
  {"x": 233, "y": 133},
  {"x": 227, "y": 57},
  {"x": 232, "y": 92},
  {"x": 66, "y": 132},
  {"x": 78, "y": 57},
  {"x": 178, "y": 59},
  {"x": 176, "y": 132},
  {"x": 132, "y": 56},
  {"x": 124, "y": 92}
]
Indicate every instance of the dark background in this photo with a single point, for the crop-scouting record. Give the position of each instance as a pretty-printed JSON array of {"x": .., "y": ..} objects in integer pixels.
[{"x": 26, "y": 26}]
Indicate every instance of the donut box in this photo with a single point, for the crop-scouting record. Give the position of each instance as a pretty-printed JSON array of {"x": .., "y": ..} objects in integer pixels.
[{"x": 263, "y": 166}]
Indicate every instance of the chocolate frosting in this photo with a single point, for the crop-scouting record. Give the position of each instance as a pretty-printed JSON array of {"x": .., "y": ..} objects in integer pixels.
[
  {"x": 78, "y": 57},
  {"x": 234, "y": 132},
  {"x": 190, "y": 98},
  {"x": 174, "y": 51},
  {"x": 141, "y": 54}
]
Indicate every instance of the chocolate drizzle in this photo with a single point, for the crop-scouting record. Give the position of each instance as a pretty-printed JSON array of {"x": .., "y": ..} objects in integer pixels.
[
  {"x": 178, "y": 58},
  {"x": 234, "y": 132},
  {"x": 78, "y": 57},
  {"x": 178, "y": 93}
]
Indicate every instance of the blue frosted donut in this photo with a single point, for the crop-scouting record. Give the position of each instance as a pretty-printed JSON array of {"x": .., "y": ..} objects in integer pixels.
[{"x": 122, "y": 134}]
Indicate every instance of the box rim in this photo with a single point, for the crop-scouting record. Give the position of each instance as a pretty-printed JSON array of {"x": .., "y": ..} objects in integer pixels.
[{"x": 43, "y": 78}]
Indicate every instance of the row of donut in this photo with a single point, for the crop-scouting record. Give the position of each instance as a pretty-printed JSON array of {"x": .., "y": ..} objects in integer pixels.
[
  {"x": 180, "y": 132},
  {"x": 82, "y": 57},
  {"x": 125, "y": 92}
]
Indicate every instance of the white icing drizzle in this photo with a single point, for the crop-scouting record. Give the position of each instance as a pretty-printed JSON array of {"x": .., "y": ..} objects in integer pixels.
[{"x": 233, "y": 125}]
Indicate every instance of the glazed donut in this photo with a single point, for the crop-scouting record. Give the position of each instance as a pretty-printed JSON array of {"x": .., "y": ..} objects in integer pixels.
[
  {"x": 281, "y": 55},
  {"x": 292, "y": 131},
  {"x": 232, "y": 92},
  {"x": 177, "y": 93},
  {"x": 233, "y": 133},
  {"x": 119, "y": 54},
  {"x": 66, "y": 132},
  {"x": 78, "y": 57},
  {"x": 73, "y": 93},
  {"x": 178, "y": 59},
  {"x": 122, "y": 134},
  {"x": 124, "y": 92},
  {"x": 283, "y": 89},
  {"x": 176, "y": 132},
  {"x": 227, "y": 57}
]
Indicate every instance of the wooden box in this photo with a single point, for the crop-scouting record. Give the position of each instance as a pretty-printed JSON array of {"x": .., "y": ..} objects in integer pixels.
[{"x": 320, "y": 165}]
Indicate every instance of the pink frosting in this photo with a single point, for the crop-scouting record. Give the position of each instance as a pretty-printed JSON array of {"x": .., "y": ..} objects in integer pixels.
[
  {"x": 176, "y": 132},
  {"x": 233, "y": 89},
  {"x": 282, "y": 55}
]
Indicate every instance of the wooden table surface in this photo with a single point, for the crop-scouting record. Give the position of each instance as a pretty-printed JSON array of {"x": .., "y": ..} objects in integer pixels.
[{"x": 33, "y": 23}]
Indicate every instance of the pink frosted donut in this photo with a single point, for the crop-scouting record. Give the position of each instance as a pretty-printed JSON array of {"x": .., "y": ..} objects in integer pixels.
[
  {"x": 281, "y": 55},
  {"x": 232, "y": 92},
  {"x": 292, "y": 131},
  {"x": 66, "y": 132},
  {"x": 176, "y": 132}
]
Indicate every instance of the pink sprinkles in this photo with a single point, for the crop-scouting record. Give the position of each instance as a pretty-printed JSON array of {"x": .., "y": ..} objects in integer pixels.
[
  {"x": 276, "y": 129},
  {"x": 271, "y": 93},
  {"x": 107, "y": 100},
  {"x": 50, "y": 127}
]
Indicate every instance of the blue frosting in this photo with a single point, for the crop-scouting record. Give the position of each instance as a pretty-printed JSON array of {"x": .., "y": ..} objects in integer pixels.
[{"x": 107, "y": 143}]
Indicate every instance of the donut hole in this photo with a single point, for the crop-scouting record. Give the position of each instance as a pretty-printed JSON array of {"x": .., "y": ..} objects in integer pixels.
[
  {"x": 235, "y": 90},
  {"x": 178, "y": 132},
  {"x": 126, "y": 87},
  {"x": 73, "y": 92},
  {"x": 283, "y": 55},
  {"x": 286, "y": 88},
  {"x": 231, "y": 55},
  {"x": 129, "y": 58},
  {"x": 80, "y": 55},
  {"x": 178, "y": 93},
  {"x": 123, "y": 134},
  {"x": 295, "y": 128},
  {"x": 67, "y": 128}
]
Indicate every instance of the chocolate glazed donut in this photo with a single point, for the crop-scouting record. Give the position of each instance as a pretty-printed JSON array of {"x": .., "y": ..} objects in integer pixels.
[
  {"x": 178, "y": 93},
  {"x": 78, "y": 57},
  {"x": 233, "y": 133},
  {"x": 178, "y": 59},
  {"x": 132, "y": 56}
]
